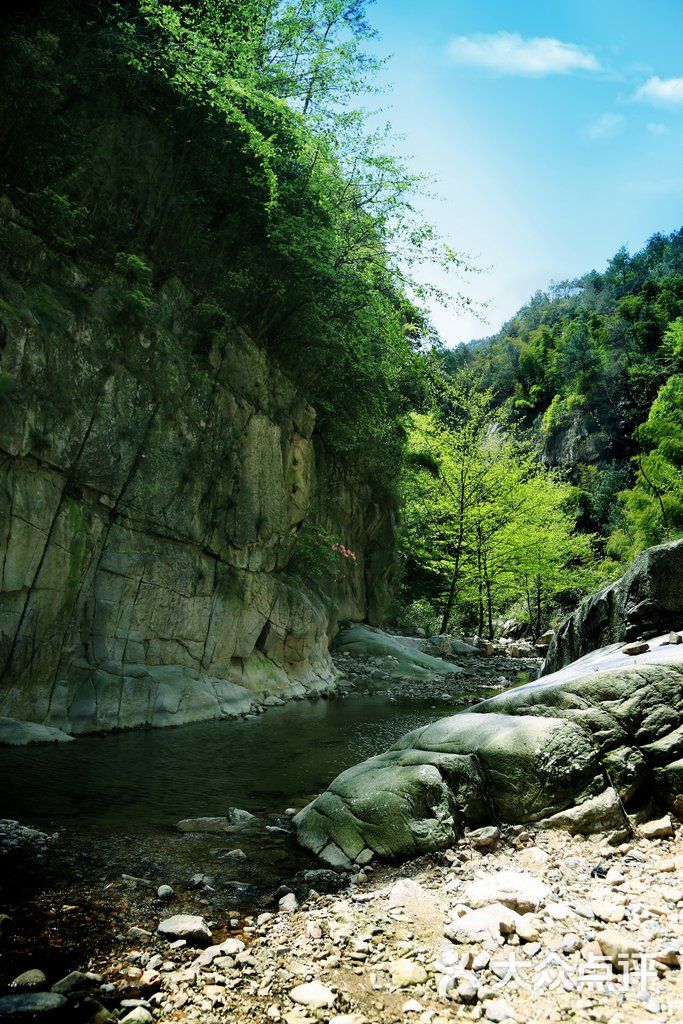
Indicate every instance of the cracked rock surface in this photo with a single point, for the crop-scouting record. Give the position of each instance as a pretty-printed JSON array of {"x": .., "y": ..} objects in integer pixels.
[{"x": 576, "y": 750}]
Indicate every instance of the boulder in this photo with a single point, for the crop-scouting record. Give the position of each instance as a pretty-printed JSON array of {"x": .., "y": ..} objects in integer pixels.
[
  {"x": 186, "y": 926},
  {"x": 570, "y": 751},
  {"x": 513, "y": 889},
  {"x": 404, "y": 655},
  {"x": 77, "y": 981},
  {"x": 645, "y": 601},
  {"x": 485, "y": 923}
]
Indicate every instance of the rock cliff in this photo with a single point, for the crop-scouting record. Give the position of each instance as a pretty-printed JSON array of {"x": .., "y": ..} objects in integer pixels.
[
  {"x": 157, "y": 476},
  {"x": 645, "y": 601}
]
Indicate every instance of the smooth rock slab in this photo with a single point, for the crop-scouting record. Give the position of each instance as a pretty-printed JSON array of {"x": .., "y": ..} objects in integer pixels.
[
  {"x": 186, "y": 926},
  {"x": 16, "y": 733},
  {"x": 27, "y": 1003},
  {"x": 569, "y": 751}
]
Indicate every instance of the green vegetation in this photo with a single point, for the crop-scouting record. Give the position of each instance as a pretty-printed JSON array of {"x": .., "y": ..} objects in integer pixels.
[
  {"x": 223, "y": 144},
  {"x": 486, "y": 527},
  {"x": 591, "y": 372},
  {"x": 224, "y": 148}
]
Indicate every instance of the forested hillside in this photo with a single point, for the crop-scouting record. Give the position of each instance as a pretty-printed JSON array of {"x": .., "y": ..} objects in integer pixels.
[
  {"x": 557, "y": 450},
  {"x": 592, "y": 371}
]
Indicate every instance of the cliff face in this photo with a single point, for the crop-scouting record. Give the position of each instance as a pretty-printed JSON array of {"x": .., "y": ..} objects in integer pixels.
[
  {"x": 645, "y": 601},
  {"x": 156, "y": 474}
]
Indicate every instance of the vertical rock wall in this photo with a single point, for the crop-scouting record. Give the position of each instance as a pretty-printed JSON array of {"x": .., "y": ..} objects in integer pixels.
[{"x": 154, "y": 478}]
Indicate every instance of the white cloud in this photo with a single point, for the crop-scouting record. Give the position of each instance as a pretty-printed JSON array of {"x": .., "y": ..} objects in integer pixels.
[
  {"x": 657, "y": 128},
  {"x": 661, "y": 91},
  {"x": 606, "y": 127},
  {"x": 510, "y": 54}
]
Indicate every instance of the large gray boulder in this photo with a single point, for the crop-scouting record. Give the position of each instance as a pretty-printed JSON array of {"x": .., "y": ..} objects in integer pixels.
[
  {"x": 402, "y": 656},
  {"x": 573, "y": 750},
  {"x": 645, "y": 601}
]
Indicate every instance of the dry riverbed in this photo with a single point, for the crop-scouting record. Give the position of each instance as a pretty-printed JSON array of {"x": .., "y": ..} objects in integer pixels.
[{"x": 536, "y": 926}]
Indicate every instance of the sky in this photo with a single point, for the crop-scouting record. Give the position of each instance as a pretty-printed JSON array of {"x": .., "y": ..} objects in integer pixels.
[{"x": 553, "y": 132}]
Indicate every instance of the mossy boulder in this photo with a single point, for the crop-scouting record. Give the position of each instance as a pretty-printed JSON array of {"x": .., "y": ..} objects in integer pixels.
[{"x": 574, "y": 750}]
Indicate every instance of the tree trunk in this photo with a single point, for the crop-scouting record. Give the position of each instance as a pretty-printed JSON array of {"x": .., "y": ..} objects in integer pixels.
[
  {"x": 489, "y": 608},
  {"x": 480, "y": 588},
  {"x": 452, "y": 591},
  {"x": 529, "y": 609}
]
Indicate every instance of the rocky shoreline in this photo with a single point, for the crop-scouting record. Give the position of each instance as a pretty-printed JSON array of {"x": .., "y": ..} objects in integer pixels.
[{"x": 506, "y": 925}]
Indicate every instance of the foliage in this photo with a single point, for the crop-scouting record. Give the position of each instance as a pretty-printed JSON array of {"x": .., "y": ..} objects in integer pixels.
[
  {"x": 484, "y": 524},
  {"x": 226, "y": 144},
  {"x": 319, "y": 556},
  {"x": 654, "y": 506},
  {"x": 579, "y": 370},
  {"x": 418, "y": 614}
]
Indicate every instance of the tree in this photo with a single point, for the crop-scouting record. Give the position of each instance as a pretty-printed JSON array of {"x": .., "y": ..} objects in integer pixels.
[
  {"x": 654, "y": 506},
  {"x": 485, "y": 523}
]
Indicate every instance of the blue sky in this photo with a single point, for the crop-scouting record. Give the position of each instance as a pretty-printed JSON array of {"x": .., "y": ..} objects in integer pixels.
[{"x": 554, "y": 132}]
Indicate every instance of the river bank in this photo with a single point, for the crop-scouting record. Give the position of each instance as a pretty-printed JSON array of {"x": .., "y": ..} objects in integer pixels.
[
  {"x": 113, "y": 802},
  {"x": 519, "y": 926}
]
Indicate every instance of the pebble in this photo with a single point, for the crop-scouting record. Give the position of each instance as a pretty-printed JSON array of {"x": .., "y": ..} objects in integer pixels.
[
  {"x": 620, "y": 947},
  {"x": 483, "y": 838},
  {"x": 467, "y": 991},
  {"x": 165, "y": 892},
  {"x": 313, "y": 994},
  {"x": 138, "y": 1015},
  {"x": 407, "y": 972},
  {"x": 498, "y": 1010},
  {"x": 288, "y": 904},
  {"x": 611, "y": 913},
  {"x": 571, "y": 943},
  {"x": 662, "y": 828}
]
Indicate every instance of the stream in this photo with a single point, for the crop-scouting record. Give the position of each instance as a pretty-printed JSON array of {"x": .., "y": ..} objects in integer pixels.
[
  {"x": 114, "y": 803},
  {"x": 145, "y": 780},
  {"x": 130, "y": 789}
]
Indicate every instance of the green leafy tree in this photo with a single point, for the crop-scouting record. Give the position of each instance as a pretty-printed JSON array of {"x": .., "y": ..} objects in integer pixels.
[{"x": 654, "y": 506}]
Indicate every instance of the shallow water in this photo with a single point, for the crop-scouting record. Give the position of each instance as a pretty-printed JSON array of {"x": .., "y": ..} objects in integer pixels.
[{"x": 144, "y": 781}]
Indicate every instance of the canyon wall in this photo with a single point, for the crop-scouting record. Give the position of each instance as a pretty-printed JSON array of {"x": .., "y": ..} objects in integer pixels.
[{"x": 158, "y": 476}]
